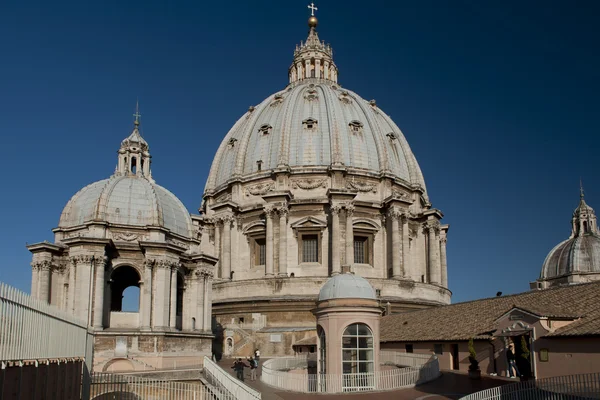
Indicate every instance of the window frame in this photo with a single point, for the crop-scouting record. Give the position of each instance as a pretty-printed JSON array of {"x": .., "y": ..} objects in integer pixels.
[{"x": 301, "y": 235}]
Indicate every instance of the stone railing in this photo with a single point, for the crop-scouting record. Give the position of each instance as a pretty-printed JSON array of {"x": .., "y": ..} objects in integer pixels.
[
  {"x": 293, "y": 373},
  {"x": 227, "y": 383},
  {"x": 586, "y": 386}
]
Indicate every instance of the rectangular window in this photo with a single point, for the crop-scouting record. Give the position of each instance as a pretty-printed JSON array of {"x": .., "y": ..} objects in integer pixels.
[
  {"x": 310, "y": 248},
  {"x": 438, "y": 348},
  {"x": 409, "y": 348},
  {"x": 361, "y": 255},
  {"x": 260, "y": 251}
]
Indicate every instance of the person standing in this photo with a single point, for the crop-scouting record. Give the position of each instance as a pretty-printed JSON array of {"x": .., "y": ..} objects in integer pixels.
[
  {"x": 253, "y": 367},
  {"x": 257, "y": 356},
  {"x": 513, "y": 371},
  {"x": 238, "y": 367}
]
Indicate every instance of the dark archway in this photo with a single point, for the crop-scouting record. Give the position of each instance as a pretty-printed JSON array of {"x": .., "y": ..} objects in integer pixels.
[
  {"x": 122, "y": 278},
  {"x": 179, "y": 305}
]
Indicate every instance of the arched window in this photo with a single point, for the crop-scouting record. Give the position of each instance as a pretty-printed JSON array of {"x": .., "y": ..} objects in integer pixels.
[
  {"x": 125, "y": 289},
  {"x": 322, "y": 351},
  {"x": 357, "y": 353}
]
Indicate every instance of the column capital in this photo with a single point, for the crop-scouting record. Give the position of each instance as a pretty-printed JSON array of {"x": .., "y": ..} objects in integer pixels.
[
  {"x": 335, "y": 208},
  {"x": 432, "y": 226},
  {"x": 395, "y": 213},
  {"x": 270, "y": 211},
  {"x": 283, "y": 211},
  {"x": 203, "y": 272},
  {"x": 349, "y": 209}
]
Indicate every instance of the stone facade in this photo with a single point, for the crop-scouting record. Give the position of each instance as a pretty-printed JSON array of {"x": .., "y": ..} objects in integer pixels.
[
  {"x": 130, "y": 239},
  {"x": 313, "y": 182}
]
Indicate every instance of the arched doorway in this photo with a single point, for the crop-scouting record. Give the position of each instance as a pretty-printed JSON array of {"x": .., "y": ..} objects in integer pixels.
[
  {"x": 124, "y": 297},
  {"x": 229, "y": 346}
]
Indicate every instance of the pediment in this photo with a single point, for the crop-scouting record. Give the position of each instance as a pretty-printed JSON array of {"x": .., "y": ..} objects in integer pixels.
[{"x": 309, "y": 222}]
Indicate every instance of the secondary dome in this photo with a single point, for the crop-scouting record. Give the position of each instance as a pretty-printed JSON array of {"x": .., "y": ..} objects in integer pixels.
[
  {"x": 347, "y": 286},
  {"x": 129, "y": 197},
  {"x": 580, "y": 254},
  {"x": 127, "y": 200},
  {"x": 313, "y": 124}
]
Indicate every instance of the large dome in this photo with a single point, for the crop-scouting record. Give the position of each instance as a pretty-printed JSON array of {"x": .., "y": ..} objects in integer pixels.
[
  {"x": 127, "y": 200},
  {"x": 314, "y": 123}
]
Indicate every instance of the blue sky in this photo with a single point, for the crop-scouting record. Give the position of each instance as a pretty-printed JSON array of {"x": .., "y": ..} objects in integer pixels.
[{"x": 498, "y": 100}]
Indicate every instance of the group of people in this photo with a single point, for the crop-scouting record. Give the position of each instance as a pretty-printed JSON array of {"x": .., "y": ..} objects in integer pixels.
[{"x": 239, "y": 365}]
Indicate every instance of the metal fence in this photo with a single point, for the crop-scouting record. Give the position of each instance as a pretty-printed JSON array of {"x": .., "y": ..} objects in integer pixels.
[
  {"x": 235, "y": 389},
  {"x": 44, "y": 352},
  {"x": 126, "y": 387},
  {"x": 31, "y": 329},
  {"x": 571, "y": 387},
  {"x": 288, "y": 373}
]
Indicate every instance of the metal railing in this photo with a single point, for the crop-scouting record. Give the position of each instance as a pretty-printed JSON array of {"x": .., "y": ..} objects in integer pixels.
[
  {"x": 31, "y": 329},
  {"x": 113, "y": 386},
  {"x": 575, "y": 387},
  {"x": 286, "y": 373},
  {"x": 227, "y": 383}
]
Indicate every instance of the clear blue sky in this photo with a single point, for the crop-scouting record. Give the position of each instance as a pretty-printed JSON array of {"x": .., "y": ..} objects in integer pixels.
[{"x": 498, "y": 100}]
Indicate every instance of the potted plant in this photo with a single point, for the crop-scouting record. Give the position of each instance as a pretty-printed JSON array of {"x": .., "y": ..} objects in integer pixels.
[{"x": 474, "y": 371}]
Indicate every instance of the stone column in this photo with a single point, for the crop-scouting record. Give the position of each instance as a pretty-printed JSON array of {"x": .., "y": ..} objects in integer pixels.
[
  {"x": 349, "y": 235},
  {"x": 434, "y": 270},
  {"x": 269, "y": 250},
  {"x": 71, "y": 294},
  {"x": 173, "y": 312},
  {"x": 35, "y": 273},
  {"x": 444, "y": 263},
  {"x": 44, "y": 278},
  {"x": 394, "y": 214},
  {"x": 283, "y": 213},
  {"x": 82, "y": 287},
  {"x": 226, "y": 264},
  {"x": 162, "y": 295},
  {"x": 407, "y": 268},
  {"x": 200, "y": 299},
  {"x": 335, "y": 248},
  {"x": 99, "y": 264},
  {"x": 147, "y": 295},
  {"x": 207, "y": 312},
  {"x": 218, "y": 247}
]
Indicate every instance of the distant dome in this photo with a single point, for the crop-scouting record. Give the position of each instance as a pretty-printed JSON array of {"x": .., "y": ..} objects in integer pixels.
[
  {"x": 127, "y": 200},
  {"x": 347, "y": 286},
  {"x": 580, "y": 254}
]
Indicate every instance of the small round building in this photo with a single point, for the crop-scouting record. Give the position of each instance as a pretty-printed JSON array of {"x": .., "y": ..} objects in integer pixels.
[{"x": 312, "y": 182}]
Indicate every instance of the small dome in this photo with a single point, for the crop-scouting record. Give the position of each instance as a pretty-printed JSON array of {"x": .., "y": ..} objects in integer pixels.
[
  {"x": 127, "y": 200},
  {"x": 580, "y": 254},
  {"x": 347, "y": 286}
]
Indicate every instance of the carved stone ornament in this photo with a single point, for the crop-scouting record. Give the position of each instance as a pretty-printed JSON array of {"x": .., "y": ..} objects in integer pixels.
[
  {"x": 335, "y": 209},
  {"x": 311, "y": 94},
  {"x": 203, "y": 272},
  {"x": 223, "y": 197},
  {"x": 270, "y": 210},
  {"x": 283, "y": 211},
  {"x": 398, "y": 194},
  {"x": 159, "y": 263},
  {"x": 41, "y": 265},
  {"x": 178, "y": 243},
  {"x": 349, "y": 209},
  {"x": 394, "y": 213},
  {"x": 432, "y": 225},
  {"x": 259, "y": 189},
  {"x": 361, "y": 186},
  {"x": 345, "y": 98},
  {"x": 308, "y": 183},
  {"x": 128, "y": 237}
]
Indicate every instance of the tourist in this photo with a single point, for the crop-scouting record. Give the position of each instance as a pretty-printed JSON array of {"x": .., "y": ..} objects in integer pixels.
[
  {"x": 510, "y": 356},
  {"x": 253, "y": 367},
  {"x": 238, "y": 367},
  {"x": 257, "y": 356}
]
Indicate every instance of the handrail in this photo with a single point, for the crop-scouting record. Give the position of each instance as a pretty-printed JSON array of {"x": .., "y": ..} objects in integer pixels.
[
  {"x": 574, "y": 386},
  {"x": 423, "y": 368},
  {"x": 218, "y": 376}
]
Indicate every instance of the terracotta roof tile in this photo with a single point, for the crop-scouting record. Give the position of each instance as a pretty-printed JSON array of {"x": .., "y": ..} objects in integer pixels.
[{"x": 476, "y": 319}]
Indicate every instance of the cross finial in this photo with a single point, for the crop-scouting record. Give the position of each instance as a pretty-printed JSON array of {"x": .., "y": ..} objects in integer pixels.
[
  {"x": 312, "y": 9},
  {"x": 581, "y": 193},
  {"x": 137, "y": 114}
]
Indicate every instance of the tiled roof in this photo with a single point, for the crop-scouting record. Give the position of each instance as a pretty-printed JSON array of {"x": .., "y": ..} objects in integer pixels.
[
  {"x": 311, "y": 341},
  {"x": 476, "y": 319}
]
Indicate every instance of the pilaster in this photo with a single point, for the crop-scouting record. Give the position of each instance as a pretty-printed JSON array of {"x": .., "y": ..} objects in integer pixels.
[
  {"x": 283, "y": 232},
  {"x": 336, "y": 267}
]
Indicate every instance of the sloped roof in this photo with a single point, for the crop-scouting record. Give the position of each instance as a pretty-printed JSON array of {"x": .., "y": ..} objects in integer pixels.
[
  {"x": 477, "y": 319},
  {"x": 311, "y": 341}
]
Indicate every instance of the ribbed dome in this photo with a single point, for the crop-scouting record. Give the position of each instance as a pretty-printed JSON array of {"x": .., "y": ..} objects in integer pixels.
[
  {"x": 580, "y": 254},
  {"x": 127, "y": 200},
  {"x": 347, "y": 286},
  {"x": 311, "y": 125}
]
